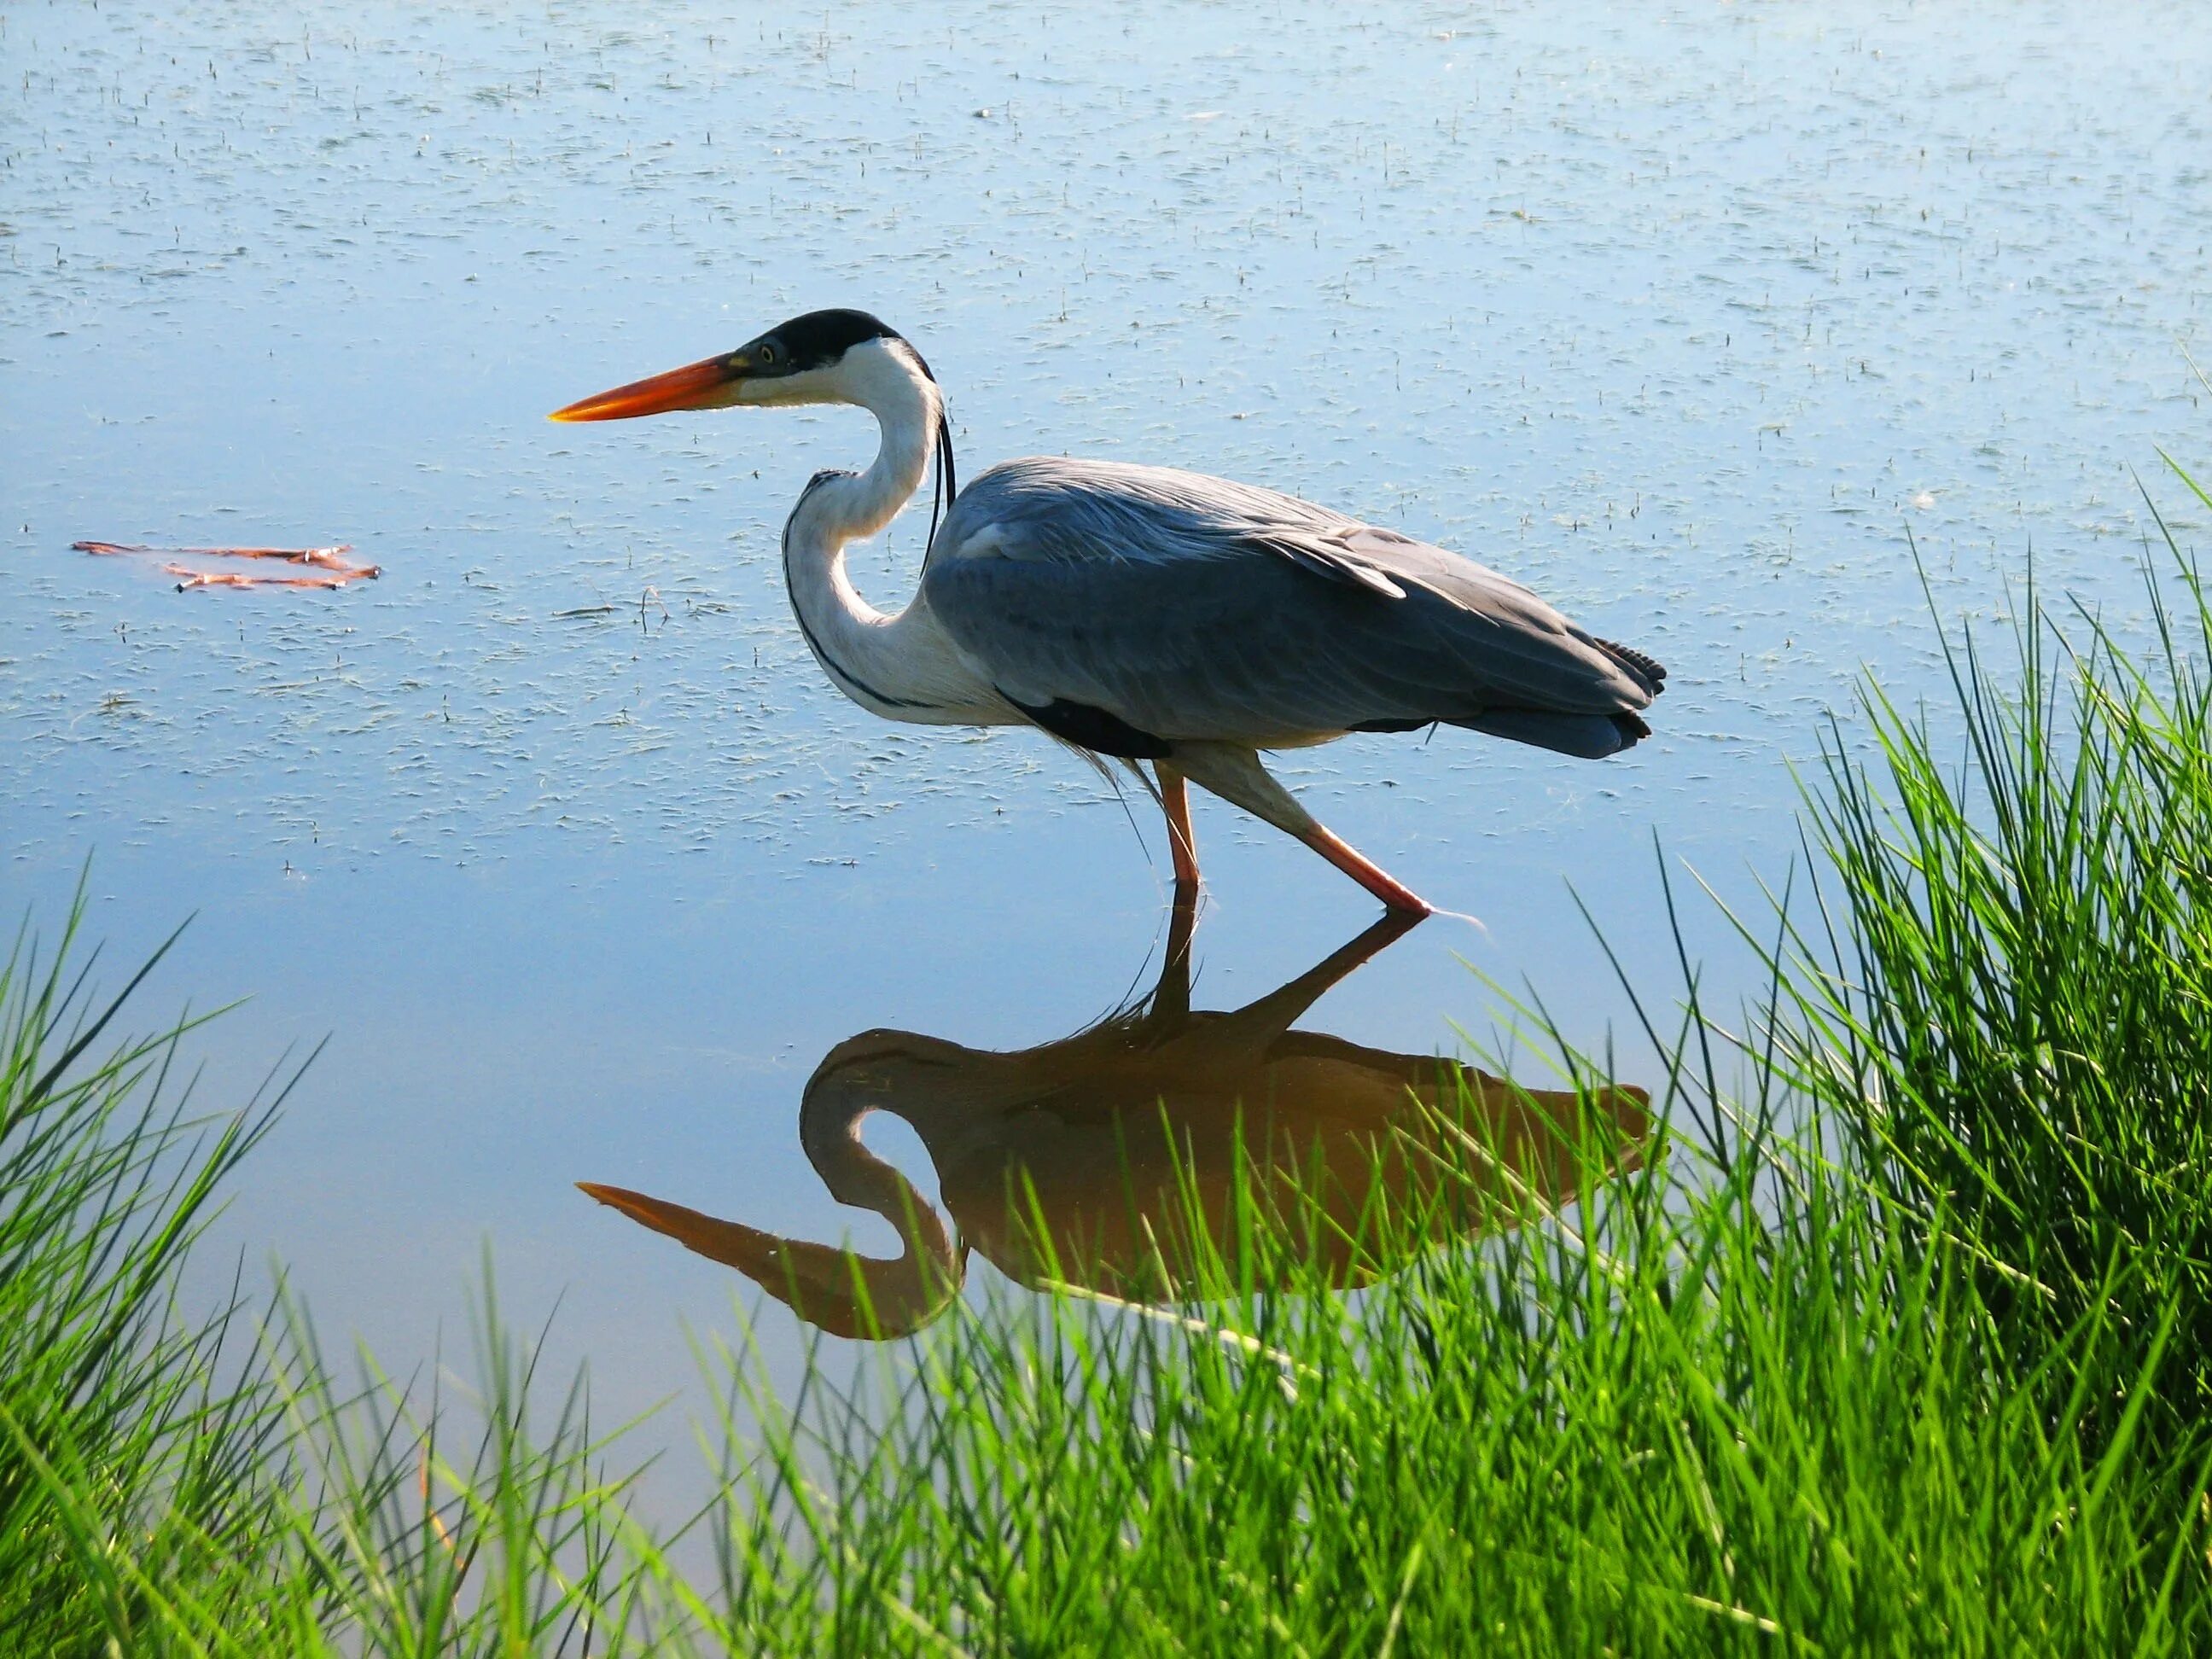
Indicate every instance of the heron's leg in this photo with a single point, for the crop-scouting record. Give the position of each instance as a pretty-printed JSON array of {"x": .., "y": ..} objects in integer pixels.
[
  {"x": 1174, "y": 801},
  {"x": 1369, "y": 875},
  {"x": 1235, "y": 774}
]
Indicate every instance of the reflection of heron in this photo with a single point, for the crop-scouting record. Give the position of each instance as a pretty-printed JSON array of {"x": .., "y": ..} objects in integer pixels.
[
  {"x": 1084, "y": 1161},
  {"x": 1146, "y": 614}
]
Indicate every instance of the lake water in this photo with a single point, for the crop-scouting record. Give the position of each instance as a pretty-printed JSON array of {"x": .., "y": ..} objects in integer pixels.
[{"x": 1689, "y": 316}]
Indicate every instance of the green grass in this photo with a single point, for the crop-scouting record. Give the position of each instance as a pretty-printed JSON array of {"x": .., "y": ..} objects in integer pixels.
[
  {"x": 121, "y": 1458},
  {"x": 1896, "y": 1343},
  {"x": 2010, "y": 1003}
]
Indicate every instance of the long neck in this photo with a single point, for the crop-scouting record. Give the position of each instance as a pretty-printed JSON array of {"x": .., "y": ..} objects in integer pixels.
[
  {"x": 896, "y": 665},
  {"x": 890, "y": 384}
]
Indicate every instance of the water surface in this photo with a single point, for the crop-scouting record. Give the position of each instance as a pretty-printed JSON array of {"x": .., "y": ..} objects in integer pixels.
[{"x": 1698, "y": 317}]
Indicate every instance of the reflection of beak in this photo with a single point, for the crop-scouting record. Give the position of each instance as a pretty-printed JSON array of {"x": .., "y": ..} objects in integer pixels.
[
  {"x": 844, "y": 1293},
  {"x": 695, "y": 386}
]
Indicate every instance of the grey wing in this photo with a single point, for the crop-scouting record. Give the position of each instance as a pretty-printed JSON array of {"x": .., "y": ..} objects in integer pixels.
[{"x": 1183, "y": 607}]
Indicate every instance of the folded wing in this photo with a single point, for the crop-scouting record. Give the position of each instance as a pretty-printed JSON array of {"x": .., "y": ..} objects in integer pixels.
[{"x": 1172, "y": 606}]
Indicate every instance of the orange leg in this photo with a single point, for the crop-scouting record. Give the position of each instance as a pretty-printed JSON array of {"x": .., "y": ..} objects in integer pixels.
[
  {"x": 1370, "y": 876},
  {"x": 1234, "y": 773},
  {"x": 1174, "y": 801}
]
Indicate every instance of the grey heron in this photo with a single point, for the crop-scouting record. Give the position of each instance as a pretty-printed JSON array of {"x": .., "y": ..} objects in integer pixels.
[{"x": 1146, "y": 614}]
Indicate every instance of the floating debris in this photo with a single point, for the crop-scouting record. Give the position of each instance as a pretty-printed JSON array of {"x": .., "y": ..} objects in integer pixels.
[{"x": 336, "y": 568}]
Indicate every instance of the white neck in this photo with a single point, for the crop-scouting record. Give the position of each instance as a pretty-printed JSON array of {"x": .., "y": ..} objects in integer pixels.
[{"x": 900, "y": 667}]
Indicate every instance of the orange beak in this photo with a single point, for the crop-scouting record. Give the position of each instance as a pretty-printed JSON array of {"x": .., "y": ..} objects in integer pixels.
[{"x": 695, "y": 386}]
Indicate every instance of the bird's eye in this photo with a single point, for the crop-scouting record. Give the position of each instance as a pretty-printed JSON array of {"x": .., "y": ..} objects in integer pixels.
[{"x": 768, "y": 356}]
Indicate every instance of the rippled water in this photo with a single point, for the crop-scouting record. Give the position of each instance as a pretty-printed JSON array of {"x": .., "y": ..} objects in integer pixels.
[{"x": 1690, "y": 317}]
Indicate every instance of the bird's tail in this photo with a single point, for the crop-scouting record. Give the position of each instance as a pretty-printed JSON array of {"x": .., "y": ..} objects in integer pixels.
[{"x": 1648, "y": 671}]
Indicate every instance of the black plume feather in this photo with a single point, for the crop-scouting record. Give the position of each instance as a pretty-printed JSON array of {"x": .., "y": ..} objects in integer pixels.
[{"x": 948, "y": 483}]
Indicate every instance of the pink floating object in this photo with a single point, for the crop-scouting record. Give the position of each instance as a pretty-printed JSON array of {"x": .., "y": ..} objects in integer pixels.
[{"x": 332, "y": 560}]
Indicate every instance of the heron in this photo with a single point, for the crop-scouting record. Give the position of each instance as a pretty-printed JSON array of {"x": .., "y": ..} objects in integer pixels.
[{"x": 1144, "y": 614}]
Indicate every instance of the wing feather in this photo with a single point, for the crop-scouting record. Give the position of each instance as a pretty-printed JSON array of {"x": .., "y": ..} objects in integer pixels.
[{"x": 1198, "y": 609}]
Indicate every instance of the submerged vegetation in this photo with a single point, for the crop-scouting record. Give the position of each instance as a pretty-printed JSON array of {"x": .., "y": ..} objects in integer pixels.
[{"x": 1893, "y": 1338}]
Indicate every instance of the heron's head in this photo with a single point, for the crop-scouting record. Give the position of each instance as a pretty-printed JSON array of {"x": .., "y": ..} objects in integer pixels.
[{"x": 824, "y": 357}]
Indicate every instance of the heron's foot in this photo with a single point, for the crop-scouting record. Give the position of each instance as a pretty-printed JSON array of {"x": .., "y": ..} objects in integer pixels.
[
  {"x": 1185, "y": 865},
  {"x": 1410, "y": 906},
  {"x": 1400, "y": 898}
]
